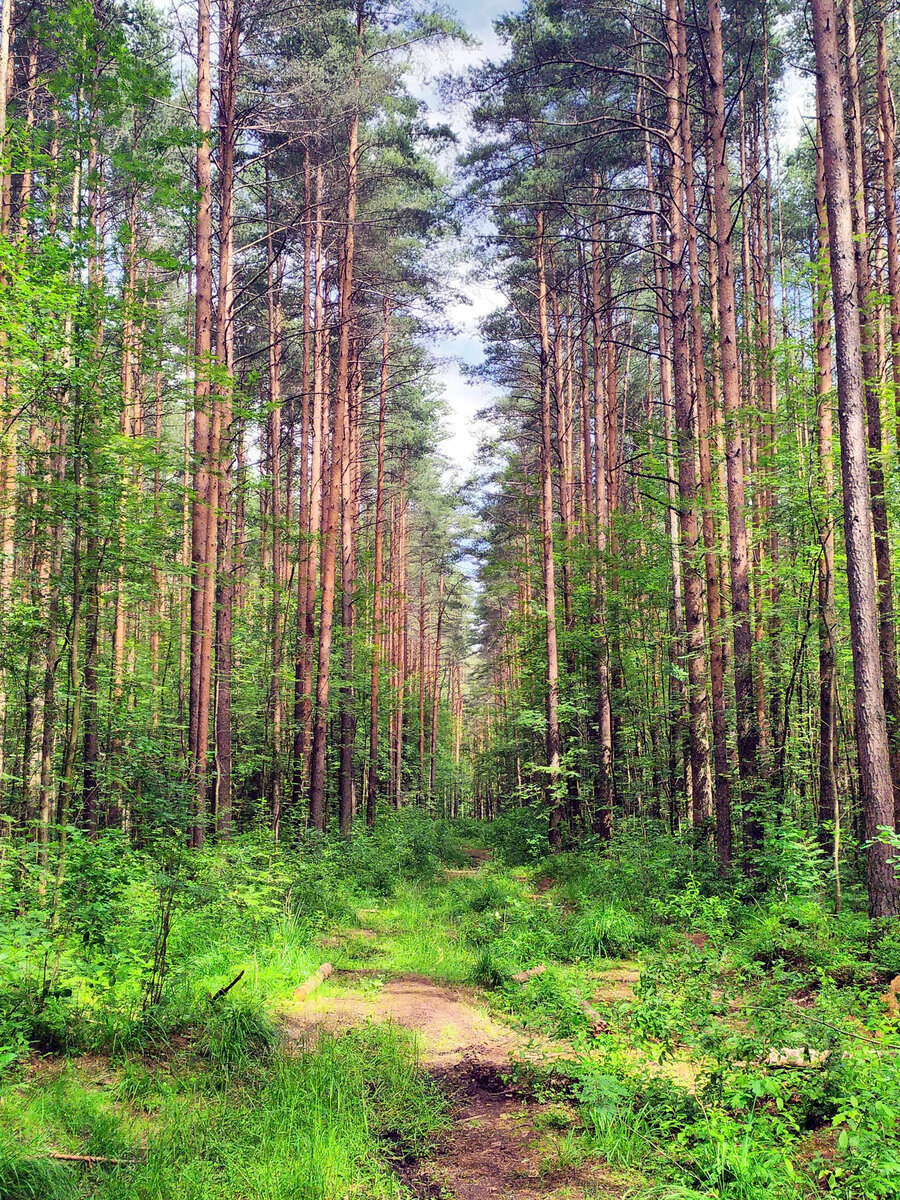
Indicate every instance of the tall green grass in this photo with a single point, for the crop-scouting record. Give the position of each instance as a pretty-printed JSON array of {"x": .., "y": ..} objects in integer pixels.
[{"x": 318, "y": 1125}]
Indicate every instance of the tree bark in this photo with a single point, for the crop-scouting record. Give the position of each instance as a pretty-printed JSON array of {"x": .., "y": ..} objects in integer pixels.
[
  {"x": 747, "y": 731},
  {"x": 721, "y": 780},
  {"x": 554, "y": 739},
  {"x": 378, "y": 569},
  {"x": 871, "y": 725},
  {"x": 828, "y": 797},
  {"x": 678, "y": 117},
  {"x": 330, "y": 521},
  {"x": 203, "y": 505}
]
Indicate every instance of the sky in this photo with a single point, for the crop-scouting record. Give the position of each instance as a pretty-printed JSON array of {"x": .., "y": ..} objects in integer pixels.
[{"x": 464, "y": 397}]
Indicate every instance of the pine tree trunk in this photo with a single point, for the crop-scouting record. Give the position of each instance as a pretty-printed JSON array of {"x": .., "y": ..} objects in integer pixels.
[
  {"x": 554, "y": 740},
  {"x": 349, "y": 521},
  {"x": 273, "y": 458},
  {"x": 304, "y": 538},
  {"x": 203, "y": 505},
  {"x": 871, "y": 380},
  {"x": 378, "y": 569},
  {"x": 605, "y": 788},
  {"x": 721, "y": 781},
  {"x": 678, "y": 117},
  {"x": 229, "y": 37},
  {"x": 871, "y": 724},
  {"x": 747, "y": 731},
  {"x": 332, "y": 508},
  {"x": 436, "y": 690},
  {"x": 828, "y": 798}
]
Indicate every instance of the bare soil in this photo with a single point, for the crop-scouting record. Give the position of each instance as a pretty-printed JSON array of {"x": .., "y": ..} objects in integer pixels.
[
  {"x": 503, "y": 1143},
  {"x": 506, "y": 1145},
  {"x": 451, "y": 1023}
]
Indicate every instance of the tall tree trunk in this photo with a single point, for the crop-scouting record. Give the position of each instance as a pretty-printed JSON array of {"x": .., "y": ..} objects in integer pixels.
[
  {"x": 721, "y": 782},
  {"x": 605, "y": 790},
  {"x": 422, "y": 669},
  {"x": 678, "y": 117},
  {"x": 888, "y": 121},
  {"x": 349, "y": 521},
  {"x": 436, "y": 689},
  {"x": 204, "y": 502},
  {"x": 229, "y": 38},
  {"x": 273, "y": 457},
  {"x": 871, "y": 724},
  {"x": 871, "y": 381},
  {"x": 304, "y": 537},
  {"x": 330, "y": 521},
  {"x": 378, "y": 568},
  {"x": 303, "y": 723},
  {"x": 828, "y": 798},
  {"x": 554, "y": 740},
  {"x": 668, "y": 407},
  {"x": 747, "y": 732}
]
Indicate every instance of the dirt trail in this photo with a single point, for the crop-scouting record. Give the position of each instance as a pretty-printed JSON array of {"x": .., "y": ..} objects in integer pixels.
[
  {"x": 451, "y": 1023},
  {"x": 503, "y": 1144},
  {"x": 508, "y": 1146}
]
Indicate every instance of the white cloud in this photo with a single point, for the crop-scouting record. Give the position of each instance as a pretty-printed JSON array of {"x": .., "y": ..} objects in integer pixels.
[{"x": 464, "y": 399}]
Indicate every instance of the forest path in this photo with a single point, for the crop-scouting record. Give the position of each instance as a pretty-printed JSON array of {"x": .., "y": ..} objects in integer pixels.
[
  {"x": 504, "y": 1142},
  {"x": 451, "y": 1022}
]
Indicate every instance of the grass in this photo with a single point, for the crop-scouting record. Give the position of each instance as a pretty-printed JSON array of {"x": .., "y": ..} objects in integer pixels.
[
  {"x": 725, "y": 977},
  {"x": 310, "y": 1126}
]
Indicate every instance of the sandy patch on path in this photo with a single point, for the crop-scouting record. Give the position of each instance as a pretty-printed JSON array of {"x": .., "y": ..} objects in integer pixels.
[{"x": 451, "y": 1023}]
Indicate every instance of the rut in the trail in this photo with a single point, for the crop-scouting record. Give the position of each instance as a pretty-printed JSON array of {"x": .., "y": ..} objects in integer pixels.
[
  {"x": 504, "y": 1143},
  {"x": 507, "y": 1145}
]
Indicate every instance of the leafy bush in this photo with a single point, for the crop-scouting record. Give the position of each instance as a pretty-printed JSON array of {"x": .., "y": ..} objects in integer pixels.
[
  {"x": 791, "y": 862},
  {"x": 886, "y": 945},
  {"x": 791, "y": 933},
  {"x": 689, "y": 908},
  {"x": 131, "y": 944},
  {"x": 519, "y": 835}
]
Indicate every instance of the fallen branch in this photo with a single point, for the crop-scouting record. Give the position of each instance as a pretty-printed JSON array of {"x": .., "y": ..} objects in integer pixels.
[
  {"x": 91, "y": 1159},
  {"x": 226, "y": 989},
  {"x": 309, "y": 986}
]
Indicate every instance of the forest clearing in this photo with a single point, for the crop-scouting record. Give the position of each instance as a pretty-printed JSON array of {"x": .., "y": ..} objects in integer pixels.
[{"x": 449, "y": 516}]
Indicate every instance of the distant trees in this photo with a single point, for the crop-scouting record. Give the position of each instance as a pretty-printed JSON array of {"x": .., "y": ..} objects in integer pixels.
[
  {"x": 219, "y": 422},
  {"x": 689, "y": 395},
  {"x": 232, "y": 588}
]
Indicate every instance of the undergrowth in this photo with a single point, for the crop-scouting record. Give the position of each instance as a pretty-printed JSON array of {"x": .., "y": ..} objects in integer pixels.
[
  {"x": 311, "y": 1126},
  {"x": 728, "y": 1038},
  {"x": 124, "y": 946}
]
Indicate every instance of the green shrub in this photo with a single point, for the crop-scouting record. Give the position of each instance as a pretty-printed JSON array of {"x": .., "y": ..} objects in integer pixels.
[
  {"x": 886, "y": 945},
  {"x": 795, "y": 934},
  {"x": 235, "y": 1033}
]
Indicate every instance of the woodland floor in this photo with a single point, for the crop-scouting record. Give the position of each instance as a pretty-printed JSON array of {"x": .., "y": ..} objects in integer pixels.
[
  {"x": 506, "y": 1140},
  {"x": 488, "y": 1030}
]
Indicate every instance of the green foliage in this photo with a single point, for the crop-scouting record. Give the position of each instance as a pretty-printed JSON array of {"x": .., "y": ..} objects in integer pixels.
[
  {"x": 792, "y": 862},
  {"x": 25, "y": 1178},
  {"x": 106, "y": 971},
  {"x": 793, "y": 934},
  {"x": 606, "y": 931},
  {"x": 313, "y": 1125}
]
